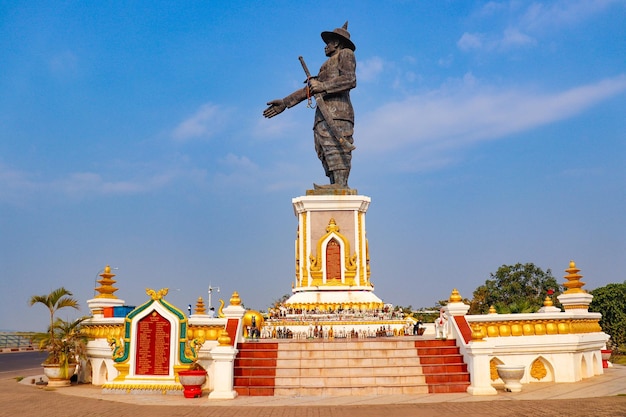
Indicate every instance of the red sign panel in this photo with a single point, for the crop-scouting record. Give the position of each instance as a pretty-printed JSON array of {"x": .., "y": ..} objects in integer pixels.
[
  {"x": 152, "y": 356},
  {"x": 333, "y": 260}
]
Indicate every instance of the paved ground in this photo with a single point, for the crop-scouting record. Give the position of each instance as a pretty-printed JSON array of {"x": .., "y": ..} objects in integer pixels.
[{"x": 600, "y": 396}]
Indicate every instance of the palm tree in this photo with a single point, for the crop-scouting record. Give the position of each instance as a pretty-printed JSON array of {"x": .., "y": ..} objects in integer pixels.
[{"x": 56, "y": 300}]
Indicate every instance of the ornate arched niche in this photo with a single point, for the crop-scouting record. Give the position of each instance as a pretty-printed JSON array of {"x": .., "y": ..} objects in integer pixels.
[
  {"x": 541, "y": 370},
  {"x": 332, "y": 263}
]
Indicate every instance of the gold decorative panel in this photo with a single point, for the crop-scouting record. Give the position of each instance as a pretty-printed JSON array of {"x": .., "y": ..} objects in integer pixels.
[{"x": 538, "y": 369}]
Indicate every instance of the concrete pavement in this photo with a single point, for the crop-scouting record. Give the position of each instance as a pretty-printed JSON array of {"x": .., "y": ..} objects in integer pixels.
[{"x": 600, "y": 396}]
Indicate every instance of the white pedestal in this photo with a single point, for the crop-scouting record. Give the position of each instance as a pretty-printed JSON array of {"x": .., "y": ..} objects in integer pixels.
[
  {"x": 331, "y": 247},
  {"x": 223, "y": 359}
]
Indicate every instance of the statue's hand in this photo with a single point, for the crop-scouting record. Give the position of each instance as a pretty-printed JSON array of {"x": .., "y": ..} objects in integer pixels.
[
  {"x": 275, "y": 107},
  {"x": 315, "y": 86}
]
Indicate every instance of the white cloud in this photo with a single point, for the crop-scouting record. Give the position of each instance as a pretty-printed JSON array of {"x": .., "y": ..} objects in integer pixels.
[
  {"x": 370, "y": 69},
  {"x": 509, "y": 38},
  {"x": 276, "y": 127},
  {"x": 20, "y": 188},
  {"x": 513, "y": 37},
  {"x": 85, "y": 183},
  {"x": 525, "y": 22},
  {"x": 539, "y": 16},
  {"x": 15, "y": 183},
  {"x": 203, "y": 124},
  {"x": 238, "y": 171},
  {"x": 470, "y": 41},
  {"x": 238, "y": 163},
  {"x": 451, "y": 118}
]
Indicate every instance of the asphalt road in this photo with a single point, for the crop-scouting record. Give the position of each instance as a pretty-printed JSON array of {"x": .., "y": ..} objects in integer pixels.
[{"x": 21, "y": 364}]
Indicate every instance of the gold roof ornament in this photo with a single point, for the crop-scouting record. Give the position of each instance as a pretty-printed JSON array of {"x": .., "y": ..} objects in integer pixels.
[
  {"x": 235, "y": 300},
  {"x": 224, "y": 338},
  {"x": 106, "y": 288},
  {"x": 157, "y": 295},
  {"x": 573, "y": 284},
  {"x": 548, "y": 302},
  {"x": 455, "y": 297},
  {"x": 477, "y": 333},
  {"x": 492, "y": 310},
  {"x": 200, "y": 308},
  {"x": 332, "y": 226}
]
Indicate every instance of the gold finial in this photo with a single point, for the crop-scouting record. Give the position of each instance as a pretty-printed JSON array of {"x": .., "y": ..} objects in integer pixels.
[
  {"x": 224, "y": 338},
  {"x": 200, "y": 308},
  {"x": 492, "y": 310},
  {"x": 477, "y": 333},
  {"x": 235, "y": 300},
  {"x": 548, "y": 302},
  {"x": 332, "y": 226},
  {"x": 455, "y": 297},
  {"x": 106, "y": 288},
  {"x": 573, "y": 284}
]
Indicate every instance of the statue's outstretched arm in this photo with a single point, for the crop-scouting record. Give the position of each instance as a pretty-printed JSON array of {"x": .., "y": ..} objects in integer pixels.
[
  {"x": 278, "y": 106},
  {"x": 275, "y": 107}
]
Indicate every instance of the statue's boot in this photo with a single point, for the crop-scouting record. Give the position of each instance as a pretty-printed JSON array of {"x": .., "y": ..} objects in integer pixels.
[{"x": 340, "y": 178}]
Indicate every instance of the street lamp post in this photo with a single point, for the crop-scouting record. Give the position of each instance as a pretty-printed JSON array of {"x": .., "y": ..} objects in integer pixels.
[{"x": 210, "y": 292}]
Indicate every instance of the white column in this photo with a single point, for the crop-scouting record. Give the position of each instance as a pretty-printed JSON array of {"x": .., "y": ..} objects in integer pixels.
[
  {"x": 480, "y": 374},
  {"x": 224, "y": 360}
]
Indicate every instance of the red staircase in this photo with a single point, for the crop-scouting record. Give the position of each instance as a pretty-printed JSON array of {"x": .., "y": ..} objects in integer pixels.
[
  {"x": 382, "y": 366},
  {"x": 443, "y": 366},
  {"x": 255, "y": 368}
]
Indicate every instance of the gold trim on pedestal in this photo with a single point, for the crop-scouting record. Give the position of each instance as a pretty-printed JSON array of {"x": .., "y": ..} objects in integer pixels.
[
  {"x": 297, "y": 257},
  {"x": 538, "y": 369},
  {"x": 163, "y": 388},
  {"x": 361, "y": 257},
  {"x": 540, "y": 327},
  {"x": 576, "y": 307},
  {"x": 123, "y": 369},
  {"x": 493, "y": 370},
  {"x": 103, "y": 331},
  {"x": 206, "y": 332},
  {"x": 304, "y": 271}
]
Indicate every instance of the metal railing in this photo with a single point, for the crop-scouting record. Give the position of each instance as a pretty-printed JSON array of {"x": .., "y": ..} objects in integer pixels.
[{"x": 14, "y": 340}]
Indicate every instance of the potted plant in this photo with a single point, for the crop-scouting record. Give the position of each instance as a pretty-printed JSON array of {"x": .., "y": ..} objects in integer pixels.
[
  {"x": 65, "y": 348},
  {"x": 193, "y": 378},
  {"x": 63, "y": 340}
]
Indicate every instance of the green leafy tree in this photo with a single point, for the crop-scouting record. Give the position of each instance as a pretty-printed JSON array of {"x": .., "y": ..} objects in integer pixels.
[
  {"x": 56, "y": 300},
  {"x": 65, "y": 344},
  {"x": 610, "y": 301},
  {"x": 519, "y": 288}
]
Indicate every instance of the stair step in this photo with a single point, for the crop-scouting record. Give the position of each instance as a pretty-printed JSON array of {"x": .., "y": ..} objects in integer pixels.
[
  {"x": 371, "y": 367},
  {"x": 444, "y": 350},
  {"x": 444, "y": 368},
  {"x": 447, "y": 378},
  {"x": 255, "y": 391},
  {"x": 440, "y": 359}
]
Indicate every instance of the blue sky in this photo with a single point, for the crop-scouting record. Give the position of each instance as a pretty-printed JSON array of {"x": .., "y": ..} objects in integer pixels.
[{"x": 131, "y": 134}]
